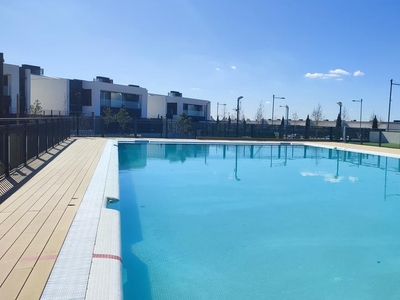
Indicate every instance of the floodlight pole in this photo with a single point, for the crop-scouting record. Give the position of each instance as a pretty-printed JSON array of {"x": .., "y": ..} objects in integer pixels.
[
  {"x": 237, "y": 115},
  {"x": 390, "y": 102},
  {"x": 273, "y": 106}
]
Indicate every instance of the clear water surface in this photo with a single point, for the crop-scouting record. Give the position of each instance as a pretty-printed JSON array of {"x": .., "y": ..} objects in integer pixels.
[{"x": 258, "y": 222}]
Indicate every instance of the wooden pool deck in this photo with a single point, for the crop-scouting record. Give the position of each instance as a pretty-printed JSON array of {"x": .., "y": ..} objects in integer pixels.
[{"x": 35, "y": 219}]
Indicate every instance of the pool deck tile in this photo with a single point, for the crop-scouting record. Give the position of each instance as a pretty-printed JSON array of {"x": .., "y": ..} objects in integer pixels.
[{"x": 35, "y": 219}]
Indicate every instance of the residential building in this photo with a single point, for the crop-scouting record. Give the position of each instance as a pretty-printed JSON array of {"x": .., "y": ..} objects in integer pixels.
[{"x": 174, "y": 104}]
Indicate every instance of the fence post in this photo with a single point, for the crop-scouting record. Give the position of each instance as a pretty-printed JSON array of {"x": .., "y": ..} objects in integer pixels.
[
  {"x": 166, "y": 127},
  {"x": 77, "y": 125},
  {"x": 135, "y": 127},
  {"x": 380, "y": 138},
  {"x": 47, "y": 135},
  {"x": 7, "y": 151},
  {"x": 37, "y": 139},
  {"x": 52, "y": 133},
  {"x": 26, "y": 142}
]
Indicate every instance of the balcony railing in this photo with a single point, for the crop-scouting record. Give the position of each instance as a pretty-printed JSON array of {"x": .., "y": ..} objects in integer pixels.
[
  {"x": 119, "y": 103},
  {"x": 193, "y": 113}
]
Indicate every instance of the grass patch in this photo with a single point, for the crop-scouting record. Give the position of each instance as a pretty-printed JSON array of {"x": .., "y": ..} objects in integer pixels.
[{"x": 385, "y": 145}]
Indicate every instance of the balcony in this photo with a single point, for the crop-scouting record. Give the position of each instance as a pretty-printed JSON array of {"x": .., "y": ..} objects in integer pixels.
[
  {"x": 119, "y": 103},
  {"x": 193, "y": 113}
]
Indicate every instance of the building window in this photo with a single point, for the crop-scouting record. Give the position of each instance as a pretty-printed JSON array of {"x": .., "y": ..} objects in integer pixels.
[
  {"x": 193, "y": 110},
  {"x": 118, "y": 100}
]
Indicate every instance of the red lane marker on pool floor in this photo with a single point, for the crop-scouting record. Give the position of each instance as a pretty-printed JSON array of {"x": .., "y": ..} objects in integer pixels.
[{"x": 109, "y": 256}]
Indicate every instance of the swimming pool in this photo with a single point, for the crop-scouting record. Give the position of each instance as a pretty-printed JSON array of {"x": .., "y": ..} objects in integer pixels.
[{"x": 258, "y": 222}]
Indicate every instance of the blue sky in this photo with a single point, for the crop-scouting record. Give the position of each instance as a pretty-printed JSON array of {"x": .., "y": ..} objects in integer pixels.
[{"x": 306, "y": 51}]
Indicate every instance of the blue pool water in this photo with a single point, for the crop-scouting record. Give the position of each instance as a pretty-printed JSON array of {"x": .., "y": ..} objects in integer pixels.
[{"x": 258, "y": 222}]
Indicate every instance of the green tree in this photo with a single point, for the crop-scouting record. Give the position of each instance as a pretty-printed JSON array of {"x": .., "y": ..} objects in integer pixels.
[
  {"x": 123, "y": 118},
  {"x": 375, "y": 123},
  {"x": 339, "y": 121},
  {"x": 308, "y": 121},
  {"x": 108, "y": 117},
  {"x": 35, "y": 109},
  {"x": 185, "y": 124}
]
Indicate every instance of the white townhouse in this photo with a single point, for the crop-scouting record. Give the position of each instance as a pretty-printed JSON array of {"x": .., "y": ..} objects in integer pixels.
[{"x": 174, "y": 104}]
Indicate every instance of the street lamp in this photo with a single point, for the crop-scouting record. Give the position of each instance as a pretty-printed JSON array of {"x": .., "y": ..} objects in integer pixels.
[
  {"x": 390, "y": 101},
  {"x": 361, "y": 101},
  {"x": 218, "y": 104},
  {"x": 340, "y": 112},
  {"x": 237, "y": 115},
  {"x": 273, "y": 106},
  {"x": 287, "y": 113}
]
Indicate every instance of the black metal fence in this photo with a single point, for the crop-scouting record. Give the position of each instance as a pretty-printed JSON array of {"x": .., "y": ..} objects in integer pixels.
[
  {"x": 167, "y": 128},
  {"x": 22, "y": 140}
]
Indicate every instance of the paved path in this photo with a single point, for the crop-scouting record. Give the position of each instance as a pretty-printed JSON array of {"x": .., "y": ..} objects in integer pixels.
[{"x": 34, "y": 221}]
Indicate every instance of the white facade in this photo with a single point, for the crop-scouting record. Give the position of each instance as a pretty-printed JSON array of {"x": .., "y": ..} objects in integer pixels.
[
  {"x": 53, "y": 94},
  {"x": 97, "y": 86},
  {"x": 12, "y": 87},
  {"x": 158, "y": 106}
]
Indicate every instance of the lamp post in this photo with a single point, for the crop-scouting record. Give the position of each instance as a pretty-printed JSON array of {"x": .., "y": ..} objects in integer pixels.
[
  {"x": 361, "y": 102},
  {"x": 273, "y": 106},
  {"x": 287, "y": 113},
  {"x": 390, "y": 102},
  {"x": 237, "y": 115},
  {"x": 218, "y": 104}
]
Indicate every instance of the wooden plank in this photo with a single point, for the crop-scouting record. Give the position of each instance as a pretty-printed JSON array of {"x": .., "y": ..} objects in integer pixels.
[
  {"x": 36, "y": 281},
  {"x": 15, "y": 281},
  {"x": 35, "y": 249},
  {"x": 41, "y": 179},
  {"x": 14, "y": 253},
  {"x": 14, "y": 233},
  {"x": 3, "y": 216}
]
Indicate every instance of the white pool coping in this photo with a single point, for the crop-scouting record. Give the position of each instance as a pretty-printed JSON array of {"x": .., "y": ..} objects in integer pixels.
[{"x": 89, "y": 265}]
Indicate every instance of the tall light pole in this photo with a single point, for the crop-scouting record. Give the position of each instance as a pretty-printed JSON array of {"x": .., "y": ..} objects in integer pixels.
[
  {"x": 361, "y": 101},
  {"x": 273, "y": 106},
  {"x": 237, "y": 115},
  {"x": 287, "y": 113},
  {"x": 390, "y": 102},
  {"x": 218, "y": 104}
]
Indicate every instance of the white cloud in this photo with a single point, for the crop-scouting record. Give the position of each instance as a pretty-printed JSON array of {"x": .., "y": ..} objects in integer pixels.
[
  {"x": 195, "y": 89},
  {"x": 314, "y": 75},
  {"x": 339, "y": 79},
  {"x": 336, "y": 73},
  {"x": 233, "y": 67},
  {"x": 339, "y": 72},
  {"x": 217, "y": 69},
  {"x": 268, "y": 102},
  {"x": 321, "y": 75},
  {"x": 358, "y": 73}
]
